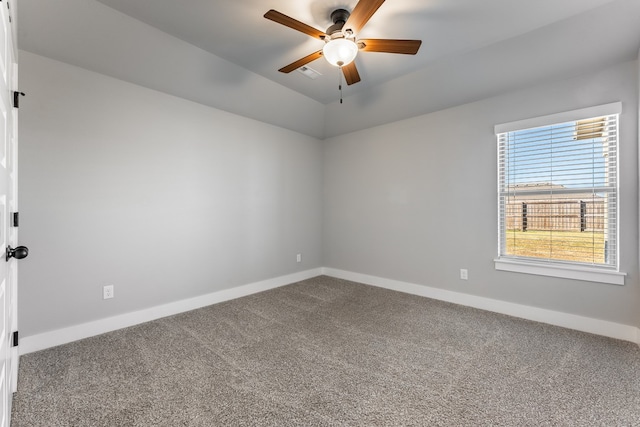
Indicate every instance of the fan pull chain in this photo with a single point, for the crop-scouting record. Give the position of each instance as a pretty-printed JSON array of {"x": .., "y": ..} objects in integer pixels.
[{"x": 340, "y": 82}]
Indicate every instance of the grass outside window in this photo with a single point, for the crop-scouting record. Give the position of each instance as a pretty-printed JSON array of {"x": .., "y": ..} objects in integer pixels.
[{"x": 576, "y": 246}]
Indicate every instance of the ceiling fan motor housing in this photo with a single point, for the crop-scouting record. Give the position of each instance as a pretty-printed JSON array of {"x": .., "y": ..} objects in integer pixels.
[{"x": 339, "y": 18}]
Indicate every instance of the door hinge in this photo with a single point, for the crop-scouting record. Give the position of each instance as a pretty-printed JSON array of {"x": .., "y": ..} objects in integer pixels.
[
  {"x": 16, "y": 98},
  {"x": 15, "y": 339},
  {"x": 15, "y": 221}
]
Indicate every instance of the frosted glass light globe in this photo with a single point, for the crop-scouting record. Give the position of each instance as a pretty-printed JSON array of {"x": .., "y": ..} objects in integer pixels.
[{"x": 340, "y": 52}]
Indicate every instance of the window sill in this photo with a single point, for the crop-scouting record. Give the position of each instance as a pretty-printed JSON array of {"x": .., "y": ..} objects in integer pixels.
[{"x": 567, "y": 272}]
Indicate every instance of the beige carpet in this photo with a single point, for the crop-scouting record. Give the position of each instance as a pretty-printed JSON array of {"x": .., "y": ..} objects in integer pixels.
[{"x": 327, "y": 352}]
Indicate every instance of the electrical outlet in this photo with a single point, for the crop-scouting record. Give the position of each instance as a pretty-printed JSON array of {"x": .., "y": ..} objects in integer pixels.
[
  {"x": 464, "y": 274},
  {"x": 107, "y": 292},
  {"x": 299, "y": 258}
]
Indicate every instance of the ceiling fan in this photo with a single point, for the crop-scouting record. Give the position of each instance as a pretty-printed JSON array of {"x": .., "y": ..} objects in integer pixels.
[{"x": 341, "y": 43}]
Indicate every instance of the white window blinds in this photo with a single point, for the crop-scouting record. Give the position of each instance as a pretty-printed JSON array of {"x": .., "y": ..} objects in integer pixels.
[{"x": 558, "y": 190}]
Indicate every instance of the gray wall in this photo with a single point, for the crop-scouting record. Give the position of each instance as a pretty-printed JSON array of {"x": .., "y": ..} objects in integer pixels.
[
  {"x": 162, "y": 197},
  {"x": 415, "y": 200},
  {"x": 168, "y": 199}
]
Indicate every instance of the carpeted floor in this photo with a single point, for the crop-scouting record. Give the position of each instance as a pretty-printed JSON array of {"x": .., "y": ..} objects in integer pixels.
[{"x": 327, "y": 352}]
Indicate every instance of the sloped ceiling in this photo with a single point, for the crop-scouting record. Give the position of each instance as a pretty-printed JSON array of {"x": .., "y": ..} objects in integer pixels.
[{"x": 225, "y": 54}]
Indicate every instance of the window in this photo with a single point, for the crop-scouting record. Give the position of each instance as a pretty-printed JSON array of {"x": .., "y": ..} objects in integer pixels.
[{"x": 558, "y": 195}]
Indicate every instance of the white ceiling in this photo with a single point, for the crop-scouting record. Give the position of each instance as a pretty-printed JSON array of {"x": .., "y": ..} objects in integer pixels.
[
  {"x": 236, "y": 31},
  {"x": 225, "y": 54}
]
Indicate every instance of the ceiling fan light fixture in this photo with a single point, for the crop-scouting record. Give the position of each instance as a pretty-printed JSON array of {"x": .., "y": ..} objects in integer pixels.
[
  {"x": 341, "y": 46},
  {"x": 340, "y": 52}
]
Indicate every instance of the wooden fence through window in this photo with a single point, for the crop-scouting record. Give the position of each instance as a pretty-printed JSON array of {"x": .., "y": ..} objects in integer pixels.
[{"x": 561, "y": 215}]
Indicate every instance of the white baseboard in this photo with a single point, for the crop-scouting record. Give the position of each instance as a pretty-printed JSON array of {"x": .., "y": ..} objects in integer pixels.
[
  {"x": 57, "y": 337},
  {"x": 570, "y": 321}
]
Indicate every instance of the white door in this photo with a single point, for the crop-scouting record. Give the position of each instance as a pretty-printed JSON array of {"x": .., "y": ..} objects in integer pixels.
[{"x": 8, "y": 206}]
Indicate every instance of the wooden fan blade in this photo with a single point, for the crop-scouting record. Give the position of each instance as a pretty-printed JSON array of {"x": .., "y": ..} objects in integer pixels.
[
  {"x": 300, "y": 62},
  {"x": 361, "y": 14},
  {"x": 351, "y": 74},
  {"x": 288, "y": 21},
  {"x": 407, "y": 47}
]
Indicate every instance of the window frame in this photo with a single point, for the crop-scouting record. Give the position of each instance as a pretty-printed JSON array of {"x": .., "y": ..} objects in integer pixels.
[{"x": 556, "y": 268}]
